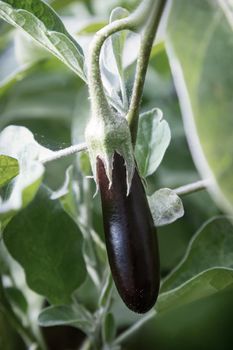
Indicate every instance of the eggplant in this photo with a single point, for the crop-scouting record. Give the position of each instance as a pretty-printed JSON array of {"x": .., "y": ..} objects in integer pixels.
[{"x": 130, "y": 236}]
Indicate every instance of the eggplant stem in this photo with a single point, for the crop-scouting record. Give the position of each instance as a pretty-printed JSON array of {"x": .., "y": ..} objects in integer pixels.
[
  {"x": 147, "y": 40},
  {"x": 99, "y": 103}
]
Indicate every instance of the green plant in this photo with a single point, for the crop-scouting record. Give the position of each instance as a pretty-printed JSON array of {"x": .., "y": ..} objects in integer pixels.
[{"x": 50, "y": 221}]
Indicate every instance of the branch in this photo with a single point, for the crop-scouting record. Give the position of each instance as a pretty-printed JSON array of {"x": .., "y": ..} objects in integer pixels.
[
  {"x": 65, "y": 152},
  {"x": 142, "y": 64},
  {"x": 193, "y": 187},
  {"x": 134, "y": 328},
  {"x": 26, "y": 334}
]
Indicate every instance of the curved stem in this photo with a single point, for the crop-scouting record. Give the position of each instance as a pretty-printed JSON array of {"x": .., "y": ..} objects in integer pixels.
[
  {"x": 142, "y": 64},
  {"x": 99, "y": 103}
]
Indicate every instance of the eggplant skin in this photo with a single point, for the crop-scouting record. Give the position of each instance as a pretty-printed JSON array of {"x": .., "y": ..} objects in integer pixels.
[{"x": 130, "y": 237}]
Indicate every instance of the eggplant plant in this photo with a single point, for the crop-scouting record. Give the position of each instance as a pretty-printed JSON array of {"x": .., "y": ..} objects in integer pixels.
[{"x": 115, "y": 148}]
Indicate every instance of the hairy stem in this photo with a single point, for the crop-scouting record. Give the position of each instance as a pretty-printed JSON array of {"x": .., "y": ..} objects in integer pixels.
[
  {"x": 99, "y": 103},
  {"x": 193, "y": 187},
  {"x": 65, "y": 152},
  {"x": 142, "y": 64}
]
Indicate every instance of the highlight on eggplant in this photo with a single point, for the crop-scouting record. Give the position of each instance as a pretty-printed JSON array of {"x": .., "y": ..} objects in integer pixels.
[{"x": 130, "y": 236}]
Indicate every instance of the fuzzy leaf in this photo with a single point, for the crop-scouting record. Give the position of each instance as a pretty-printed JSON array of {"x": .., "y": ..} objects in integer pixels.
[
  {"x": 196, "y": 46},
  {"x": 152, "y": 141},
  {"x": 9, "y": 168},
  {"x": 40, "y": 21},
  {"x": 166, "y": 207},
  {"x": 76, "y": 316},
  {"x": 27, "y": 51},
  {"x": 203, "y": 285},
  {"x": 206, "y": 268},
  {"x": 18, "y": 142},
  {"x": 118, "y": 39},
  {"x": 65, "y": 195}
]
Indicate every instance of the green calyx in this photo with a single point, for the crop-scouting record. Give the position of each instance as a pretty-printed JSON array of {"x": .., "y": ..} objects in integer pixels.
[{"x": 104, "y": 137}]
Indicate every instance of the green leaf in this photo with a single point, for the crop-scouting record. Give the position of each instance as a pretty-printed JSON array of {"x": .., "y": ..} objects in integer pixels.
[
  {"x": 70, "y": 198},
  {"x": 166, "y": 207},
  {"x": 81, "y": 115},
  {"x": 19, "y": 73},
  {"x": 111, "y": 64},
  {"x": 19, "y": 55},
  {"x": 75, "y": 315},
  {"x": 92, "y": 27},
  {"x": 152, "y": 141},
  {"x": 118, "y": 43},
  {"x": 9, "y": 168},
  {"x": 200, "y": 50},
  {"x": 64, "y": 190},
  {"x": 206, "y": 268},
  {"x": 118, "y": 39},
  {"x": 48, "y": 245},
  {"x": 17, "y": 299},
  {"x": 61, "y": 4},
  {"x": 203, "y": 285},
  {"x": 110, "y": 75},
  {"x": 40, "y": 21},
  {"x": 170, "y": 173},
  {"x": 18, "y": 142},
  {"x": 27, "y": 50},
  {"x": 65, "y": 194}
]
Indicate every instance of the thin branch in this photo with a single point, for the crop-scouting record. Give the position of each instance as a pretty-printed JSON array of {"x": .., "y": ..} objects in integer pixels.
[
  {"x": 86, "y": 345},
  {"x": 193, "y": 187},
  {"x": 142, "y": 64},
  {"x": 26, "y": 334},
  {"x": 132, "y": 330},
  {"x": 65, "y": 152}
]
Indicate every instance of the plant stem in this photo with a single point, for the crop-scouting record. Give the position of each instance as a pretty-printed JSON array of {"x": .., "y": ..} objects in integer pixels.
[
  {"x": 95, "y": 269},
  {"x": 193, "y": 187},
  {"x": 99, "y": 102},
  {"x": 26, "y": 334},
  {"x": 65, "y": 152},
  {"x": 142, "y": 64},
  {"x": 133, "y": 329},
  {"x": 86, "y": 345}
]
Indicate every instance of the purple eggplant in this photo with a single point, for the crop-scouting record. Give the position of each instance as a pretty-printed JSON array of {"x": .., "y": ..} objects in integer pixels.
[{"x": 130, "y": 237}]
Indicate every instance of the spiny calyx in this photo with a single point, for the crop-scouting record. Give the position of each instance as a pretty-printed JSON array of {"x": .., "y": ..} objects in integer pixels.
[{"x": 104, "y": 137}]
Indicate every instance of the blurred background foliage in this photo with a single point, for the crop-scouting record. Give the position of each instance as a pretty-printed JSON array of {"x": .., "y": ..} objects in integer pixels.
[{"x": 39, "y": 92}]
